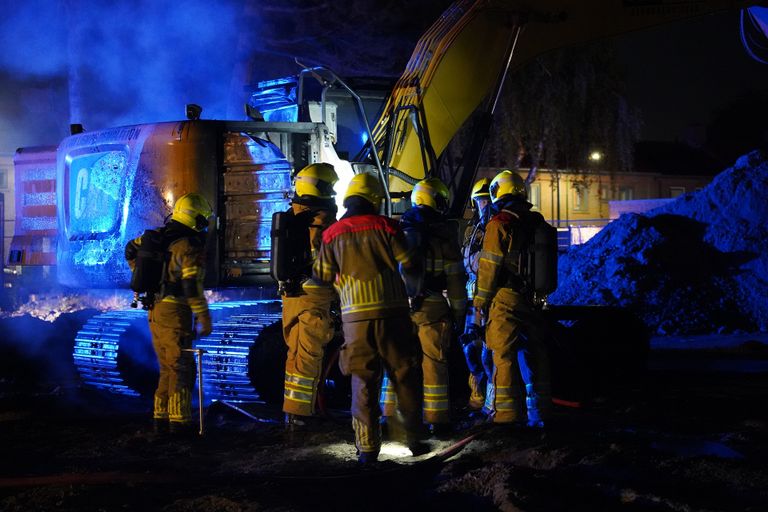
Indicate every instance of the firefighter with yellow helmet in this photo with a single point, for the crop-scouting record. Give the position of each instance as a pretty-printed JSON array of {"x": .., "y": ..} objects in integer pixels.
[
  {"x": 307, "y": 322},
  {"x": 476, "y": 353},
  {"x": 435, "y": 315},
  {"x": 505, "y": 299},
  {"x": 362, "y": 254},
  {"x": 178, "y": 308}
]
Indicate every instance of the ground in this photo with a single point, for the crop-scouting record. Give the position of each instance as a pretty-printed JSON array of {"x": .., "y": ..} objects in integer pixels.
[{"x": 692, "y": 436}]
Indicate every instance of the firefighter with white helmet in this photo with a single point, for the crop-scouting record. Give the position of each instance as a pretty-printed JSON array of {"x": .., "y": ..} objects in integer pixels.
[
  {"x": 505, "y": 299},
  {"x": 178, "y": 308},
  {"x": 361, "y": 254},
  {"x": 307, "y": 322},
  {"x": 440, "y": 306}
]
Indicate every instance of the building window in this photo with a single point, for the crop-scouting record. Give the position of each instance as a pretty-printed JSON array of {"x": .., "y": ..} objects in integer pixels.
[
  {"x": 626, "y": 193},
  {"x": 3, "y": 177},
  {"x": 605, "y": 193},
  {"x": 580, "y": 196},
  {"x": 676, "y": 191},
  {"x": 534, "y": 196}
]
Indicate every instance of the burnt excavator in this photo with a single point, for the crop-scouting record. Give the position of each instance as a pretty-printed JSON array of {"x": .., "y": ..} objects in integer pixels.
[{"x": 80, "y": 201}]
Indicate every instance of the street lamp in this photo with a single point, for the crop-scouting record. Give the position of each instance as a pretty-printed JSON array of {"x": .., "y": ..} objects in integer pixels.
[{"x": 595, "y": 156}]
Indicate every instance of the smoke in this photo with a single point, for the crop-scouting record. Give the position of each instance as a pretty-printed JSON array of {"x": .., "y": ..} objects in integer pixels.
[
  {"x": 36, "y": 354},
  {"x": 50, "y": 307},
  {"x": 108, "y": 64},
  {"x": 32, "y": 38}
]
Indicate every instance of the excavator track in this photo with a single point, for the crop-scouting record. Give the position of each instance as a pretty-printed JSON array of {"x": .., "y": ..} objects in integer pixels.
[
  {"x": 96, "y": 350},
  {"x": 227, "y": 361},
  {"x": 113, "y": 350}
]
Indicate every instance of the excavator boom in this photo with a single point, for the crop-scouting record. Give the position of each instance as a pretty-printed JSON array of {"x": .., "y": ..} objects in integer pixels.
[{"x": 461, "y": 62}]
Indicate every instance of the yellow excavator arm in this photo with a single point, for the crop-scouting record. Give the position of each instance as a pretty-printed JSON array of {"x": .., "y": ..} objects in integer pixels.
[{"x": 463, "y": 58}]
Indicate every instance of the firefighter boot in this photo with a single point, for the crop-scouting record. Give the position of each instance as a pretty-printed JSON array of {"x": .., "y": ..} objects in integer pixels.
[
  {"x": 476, "y": 393},
  {"x": 367, "y": 441},
  {"x": 182, "y": 429},
  {"x": 417, "y": 445},
  {"x": 366, "y": 458},
  {"x": 160, "y": 426},
  {"x": 294, "y": 422}
]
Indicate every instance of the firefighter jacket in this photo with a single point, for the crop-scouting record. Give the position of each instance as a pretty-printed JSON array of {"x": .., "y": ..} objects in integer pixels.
[
  {"x": 185, "y": 266},
  {"x": 502, "y": 261},
  {"x": 360, "y": 255},
  {"x": 473, "y": 241},
  {"x": 436, "y": 242}
]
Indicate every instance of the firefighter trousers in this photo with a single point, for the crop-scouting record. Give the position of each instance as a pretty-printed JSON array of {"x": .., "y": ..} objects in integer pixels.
[
  {"x": 521, "y": 362},
  {"x": 433, "y": 321},
  {"x": 172, "y": 330},
  {"x": 307, "y": 329},
  {"x": 371, "y": 347}
]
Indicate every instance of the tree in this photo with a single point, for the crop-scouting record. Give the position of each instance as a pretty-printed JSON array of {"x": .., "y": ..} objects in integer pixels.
[{"x": 560, "y": 107}]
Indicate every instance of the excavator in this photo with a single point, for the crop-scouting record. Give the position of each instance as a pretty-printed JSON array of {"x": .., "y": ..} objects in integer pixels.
[{"x": 80, "y": 201}]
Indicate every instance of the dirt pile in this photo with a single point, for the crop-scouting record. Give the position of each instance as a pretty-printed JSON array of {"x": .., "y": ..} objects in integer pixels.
[{"x": 696, "y": 265}]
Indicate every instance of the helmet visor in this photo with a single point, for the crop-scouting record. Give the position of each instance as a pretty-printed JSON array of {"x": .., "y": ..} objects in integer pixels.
[{"x": 201, "y": 222}]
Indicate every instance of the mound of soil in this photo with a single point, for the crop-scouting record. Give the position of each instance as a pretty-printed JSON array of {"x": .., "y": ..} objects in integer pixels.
[{"x": 696, "y": 265}]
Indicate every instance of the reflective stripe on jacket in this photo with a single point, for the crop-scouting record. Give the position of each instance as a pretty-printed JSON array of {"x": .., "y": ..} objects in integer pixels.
[
  {"x": 496, "y": 243},
  {"x": 360, "y": 255},
  {"x": 187, "y": 261}
]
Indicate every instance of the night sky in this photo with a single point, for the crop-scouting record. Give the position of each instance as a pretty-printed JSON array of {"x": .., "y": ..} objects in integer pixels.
[
  {"x": 679, "y": 74},
  {"x": 143, "y": 60}
]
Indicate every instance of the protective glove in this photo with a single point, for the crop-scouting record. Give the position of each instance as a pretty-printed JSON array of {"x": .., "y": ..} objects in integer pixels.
[
  {"x": 204, "y": 321},
  {"x": 473, "y": 335},
  {"x": 473, "y": 356},
  {"x": 481, "y": 310},
  {"x": 474, "y": 330}
]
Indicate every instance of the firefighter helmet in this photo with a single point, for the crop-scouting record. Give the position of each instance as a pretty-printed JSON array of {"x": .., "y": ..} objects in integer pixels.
[
  {"x": 366, "y": 186},
  {"x": 507, "y": 183},
  {"x": 316, "y": 180},
  {"x": 192, "y": 210},
  {"x": 430, "y": 192},
  {"x": 480, "y": 189}
]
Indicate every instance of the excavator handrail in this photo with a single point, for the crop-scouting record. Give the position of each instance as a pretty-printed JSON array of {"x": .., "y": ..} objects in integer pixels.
[{"x": 316, "y": 71}]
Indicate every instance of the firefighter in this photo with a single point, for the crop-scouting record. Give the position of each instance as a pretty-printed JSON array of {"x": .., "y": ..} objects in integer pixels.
[
  {"x": 179, "y": 309},
  {"x": 476, "y": 353},
  {"x": 361, "y": 254},
  {"x": 436, "y": 318},
  {"x": 505, "y": 299},
  {"x": 307, "y": 323}
]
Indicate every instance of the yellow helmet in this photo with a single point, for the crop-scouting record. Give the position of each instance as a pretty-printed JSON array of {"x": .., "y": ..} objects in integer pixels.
[
  {"x": 366, "y": 186},
  {"x": 192, "y": 210},
  {"x": 480, "y": 189},
  {"x": 507, "y": 183},
  {"x": 430, "y": 192},
  {"x": 316, "y": 180}
]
